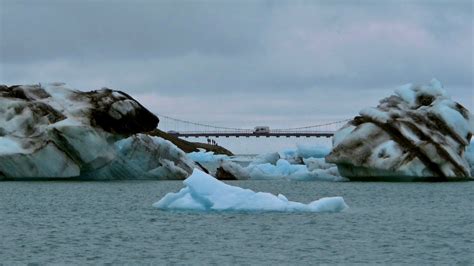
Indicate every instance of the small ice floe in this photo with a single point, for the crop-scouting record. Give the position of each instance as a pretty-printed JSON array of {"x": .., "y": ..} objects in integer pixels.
[{"x": 205, "y": 193}]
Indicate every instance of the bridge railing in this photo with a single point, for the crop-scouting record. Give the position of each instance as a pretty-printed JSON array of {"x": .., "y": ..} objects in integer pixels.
[
  {"x": 302, "y": 131},
  {"x": 251, "y": 131},
  {"x": 212, "y": 131}
]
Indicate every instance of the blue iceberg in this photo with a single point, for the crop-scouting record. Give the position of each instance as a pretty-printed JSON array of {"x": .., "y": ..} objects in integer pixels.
[{"x": 205, "y": 193}]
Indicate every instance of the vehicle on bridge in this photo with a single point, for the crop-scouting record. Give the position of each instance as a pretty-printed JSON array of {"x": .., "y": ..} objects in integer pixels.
[
  {"x": 173, "y": 132},
  {"x": 261, "y": 130}
]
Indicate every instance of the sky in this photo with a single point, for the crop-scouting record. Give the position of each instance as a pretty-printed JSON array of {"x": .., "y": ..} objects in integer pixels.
[{"x": 242, "y": 63}]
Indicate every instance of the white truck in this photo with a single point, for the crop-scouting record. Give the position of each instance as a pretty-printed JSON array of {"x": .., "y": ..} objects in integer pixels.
[{"x": 261, "y": 130}]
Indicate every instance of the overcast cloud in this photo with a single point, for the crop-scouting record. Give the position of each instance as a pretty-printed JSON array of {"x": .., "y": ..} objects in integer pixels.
[{"x": 241, "y": 63}]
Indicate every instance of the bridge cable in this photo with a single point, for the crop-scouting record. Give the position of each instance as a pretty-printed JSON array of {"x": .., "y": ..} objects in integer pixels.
[{"x": 243, "y": 129}]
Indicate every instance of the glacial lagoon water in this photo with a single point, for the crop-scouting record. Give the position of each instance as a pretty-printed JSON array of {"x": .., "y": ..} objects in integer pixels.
[{"x": 114, "y": 222}]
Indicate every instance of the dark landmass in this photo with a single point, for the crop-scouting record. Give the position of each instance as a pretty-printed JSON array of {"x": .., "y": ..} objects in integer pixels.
[
  {"x": 188, "y": 146},
  {"x": 222, "y": 174}
]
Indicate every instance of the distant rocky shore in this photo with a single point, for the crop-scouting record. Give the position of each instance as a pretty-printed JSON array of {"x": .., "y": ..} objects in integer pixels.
[{"x": 188, "y": 146}]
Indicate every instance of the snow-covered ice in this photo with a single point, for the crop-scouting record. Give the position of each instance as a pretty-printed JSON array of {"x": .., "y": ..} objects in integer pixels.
[{"x": 205, "y": 193}]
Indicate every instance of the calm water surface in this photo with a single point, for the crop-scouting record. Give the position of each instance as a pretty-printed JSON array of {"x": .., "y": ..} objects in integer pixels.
[{"x": 114, "y": 222}]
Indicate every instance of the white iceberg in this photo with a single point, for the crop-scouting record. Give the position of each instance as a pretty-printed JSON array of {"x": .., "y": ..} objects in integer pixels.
[{"x": 205, "y": 193}]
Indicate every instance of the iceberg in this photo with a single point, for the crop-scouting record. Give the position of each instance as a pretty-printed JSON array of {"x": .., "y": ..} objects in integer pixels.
[
  {"x": 208, "y": 159},
  {"x": 312, "y": 151},
  {"x": 205, "y": 193},
  {"x": 51, "y": 131},
  {"x": 230, "y": 170},
  {"x": 290, "y": 155},
  {"x": 270, "y": 158},
  {"x": 297, "y": 156},
  {"x": 291, "y": 164},
  {"x": 298, "y": 172},
  {"x": 417, "y": 134},
  {"x": 317, "y": 163}
]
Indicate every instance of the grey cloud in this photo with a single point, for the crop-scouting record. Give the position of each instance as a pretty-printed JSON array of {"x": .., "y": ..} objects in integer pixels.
[
  {"x": 143, "y": 29},
  {"x": 242, "y": 52}
]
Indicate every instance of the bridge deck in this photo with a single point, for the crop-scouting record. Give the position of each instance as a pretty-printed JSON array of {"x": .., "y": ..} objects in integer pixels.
[{"x": 326, "y": 134}]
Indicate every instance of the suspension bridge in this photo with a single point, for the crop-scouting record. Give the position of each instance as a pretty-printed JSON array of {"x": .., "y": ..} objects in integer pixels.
[{"x": 187, "y": 129}]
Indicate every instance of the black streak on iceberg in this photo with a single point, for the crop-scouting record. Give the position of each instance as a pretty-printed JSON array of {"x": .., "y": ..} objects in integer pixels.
[{"x": 124, "y": 117}]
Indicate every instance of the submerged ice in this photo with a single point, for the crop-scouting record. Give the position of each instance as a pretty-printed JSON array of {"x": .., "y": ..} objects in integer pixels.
[{"x": 205, "y": 193}]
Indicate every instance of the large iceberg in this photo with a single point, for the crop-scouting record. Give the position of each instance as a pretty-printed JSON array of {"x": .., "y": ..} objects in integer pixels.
[
  {"x": 417, "y": 134},
  {"x": 205, "y": 193},
  {"x": 50, "y": 131}
]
